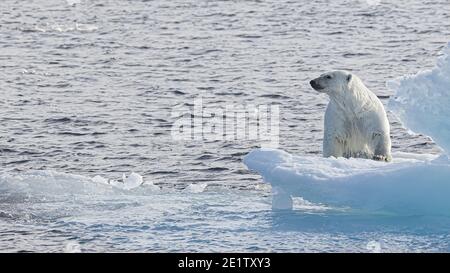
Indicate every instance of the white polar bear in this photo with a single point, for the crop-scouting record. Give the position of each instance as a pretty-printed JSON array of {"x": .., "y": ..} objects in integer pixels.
[{"x": 356, "y": 124}]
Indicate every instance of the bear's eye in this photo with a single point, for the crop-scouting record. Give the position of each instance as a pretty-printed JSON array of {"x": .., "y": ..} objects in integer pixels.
[{"x": 328, "y": 77}]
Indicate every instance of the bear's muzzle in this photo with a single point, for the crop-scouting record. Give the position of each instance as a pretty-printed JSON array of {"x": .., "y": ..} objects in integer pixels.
[{"x": 316, "y": 86}]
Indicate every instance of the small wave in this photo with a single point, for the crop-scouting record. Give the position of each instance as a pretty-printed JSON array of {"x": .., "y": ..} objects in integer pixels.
[
  {"x": 274, "y": 96},
  {"x": 178, "y": 92},
  {"x": 350, "y": 55},
  {"x": 334, "y": 33},
  {"x": 235, "y": 94},
  {"x": 216, "y": 14},
  {"x": 67, "y": 133},
  {"x": 204, "y": 52},
  {"x": 7, "y": 150},
  {"x": 249, "y": 36},
  {"x": 212, "y": 169},
  {"x": 205, "y": 157},
  {"x": 163, "y": 172},
  {"x": 58, "y": 120},
  {"x": 205, "y": 88},
  {"x": 17, "y": 162}
]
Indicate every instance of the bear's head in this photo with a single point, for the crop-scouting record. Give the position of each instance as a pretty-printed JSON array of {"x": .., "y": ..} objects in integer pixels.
[{"x": 333, "y": 83}]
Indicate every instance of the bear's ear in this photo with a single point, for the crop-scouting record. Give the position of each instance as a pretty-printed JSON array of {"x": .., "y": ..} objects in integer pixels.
[{"x": 349, "y": 77}]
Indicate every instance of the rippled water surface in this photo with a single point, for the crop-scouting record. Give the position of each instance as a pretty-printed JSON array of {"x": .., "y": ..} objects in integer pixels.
[{"x": 88, "y": 87}]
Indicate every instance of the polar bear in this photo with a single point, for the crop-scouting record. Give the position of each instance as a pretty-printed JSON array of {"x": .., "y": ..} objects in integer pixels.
[{"x": 356, "y": 124}]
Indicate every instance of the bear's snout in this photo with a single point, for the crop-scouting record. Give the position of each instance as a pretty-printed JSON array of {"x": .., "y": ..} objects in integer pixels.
[{"x": 315, "y": 85}]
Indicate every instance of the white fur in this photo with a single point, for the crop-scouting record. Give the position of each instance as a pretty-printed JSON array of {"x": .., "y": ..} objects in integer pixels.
[{"x": 356, "y": 124}]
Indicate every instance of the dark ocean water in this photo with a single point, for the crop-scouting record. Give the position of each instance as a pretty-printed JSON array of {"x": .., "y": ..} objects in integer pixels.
[{"x": 88, "y": 88}]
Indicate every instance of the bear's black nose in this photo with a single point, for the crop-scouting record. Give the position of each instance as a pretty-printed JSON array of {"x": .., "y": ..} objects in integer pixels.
[{"x": 314, "y": 84}]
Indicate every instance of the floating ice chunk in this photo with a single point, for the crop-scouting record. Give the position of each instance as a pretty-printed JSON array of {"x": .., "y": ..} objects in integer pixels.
[
  {"x": 51, "y": 184},
  {"x": 150, "y": 186},
  {"x": 196, "y": 188},
  {"x": 134, "y": 180},
  {"x": 412, "y": 183},
  {"x": 422, "y": 101},
  {"x": 131, "y": 182},
  {"x": 100, "y": 179},
  {"x": 116, "y": 184}
]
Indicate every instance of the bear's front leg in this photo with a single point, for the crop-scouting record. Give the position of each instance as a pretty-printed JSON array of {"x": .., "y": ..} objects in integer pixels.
[
  {"x": 333, "y": 142},
  {"x": 382, "y": 150},
  {"x": 333, "y": 145}
]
